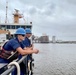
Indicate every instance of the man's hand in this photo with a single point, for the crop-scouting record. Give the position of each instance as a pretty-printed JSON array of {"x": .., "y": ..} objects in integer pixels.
[{"x": 36, "y": 51}]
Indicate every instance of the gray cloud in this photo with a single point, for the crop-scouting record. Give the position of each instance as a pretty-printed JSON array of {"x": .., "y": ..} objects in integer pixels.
[{"x": 53, "y": 17}]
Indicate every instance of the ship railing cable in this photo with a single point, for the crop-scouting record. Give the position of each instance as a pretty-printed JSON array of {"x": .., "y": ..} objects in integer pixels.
[{"x": 9, "y": 70}]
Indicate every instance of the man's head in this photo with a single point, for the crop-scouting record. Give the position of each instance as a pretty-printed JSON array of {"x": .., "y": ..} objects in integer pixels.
[
  {"x": 20, "y": 33},
  {"x": 28, "y": 32}
]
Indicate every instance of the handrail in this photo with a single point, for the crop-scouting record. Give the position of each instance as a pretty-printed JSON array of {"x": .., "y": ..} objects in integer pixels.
[
  {"x": 9, "y": 70},
  {"x": 17, "y": 66}
]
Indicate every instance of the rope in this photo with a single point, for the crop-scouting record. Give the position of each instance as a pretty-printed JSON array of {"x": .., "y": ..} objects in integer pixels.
[{"x": 17, "y": 66}]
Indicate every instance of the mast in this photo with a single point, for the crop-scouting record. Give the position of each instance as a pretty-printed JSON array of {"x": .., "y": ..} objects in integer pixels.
[{"x": 6, "y": 11}]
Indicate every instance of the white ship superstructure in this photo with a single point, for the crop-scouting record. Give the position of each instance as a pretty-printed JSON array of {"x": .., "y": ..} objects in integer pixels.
[{"x": 9, "y": 28}]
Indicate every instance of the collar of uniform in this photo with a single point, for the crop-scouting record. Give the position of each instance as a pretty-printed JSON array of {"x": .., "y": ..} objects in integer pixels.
[{"x": 17, "y": 39}]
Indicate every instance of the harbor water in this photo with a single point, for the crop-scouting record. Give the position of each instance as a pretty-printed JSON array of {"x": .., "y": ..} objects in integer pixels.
[{"x": 55, "y": 59}]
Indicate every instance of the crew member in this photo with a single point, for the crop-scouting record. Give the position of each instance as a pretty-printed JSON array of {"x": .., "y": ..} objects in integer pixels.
[{"x": 14, "y": 47}]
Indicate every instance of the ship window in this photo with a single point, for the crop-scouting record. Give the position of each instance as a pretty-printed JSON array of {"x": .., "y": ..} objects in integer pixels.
[
  {"x": 8, "y": 27},
  {"x": 28, "y": 27},
  {"x": 23, "y": 27},
  {"x": 12, "y": 27},
  {"x": 17, "y": 27},
  {"x": 3, "y": 27}
]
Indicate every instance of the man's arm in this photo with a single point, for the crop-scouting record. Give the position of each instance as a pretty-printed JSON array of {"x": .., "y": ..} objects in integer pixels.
[{"x": 27, "y": 51}]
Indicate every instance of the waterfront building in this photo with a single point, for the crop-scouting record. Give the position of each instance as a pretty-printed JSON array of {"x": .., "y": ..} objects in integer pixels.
[
  {"x": 53, "y": 39},
  {"x": 44, "y": 39}
]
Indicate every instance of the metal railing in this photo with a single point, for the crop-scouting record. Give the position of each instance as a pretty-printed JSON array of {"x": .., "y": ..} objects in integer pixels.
[{"x": 9, "y": 70}]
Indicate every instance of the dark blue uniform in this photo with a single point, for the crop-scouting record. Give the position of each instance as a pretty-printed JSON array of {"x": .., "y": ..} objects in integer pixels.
[
  {"x": 27, "y": 42},
  {"x": 12, "y": 44},
  {"x": 23, "y": 65}
]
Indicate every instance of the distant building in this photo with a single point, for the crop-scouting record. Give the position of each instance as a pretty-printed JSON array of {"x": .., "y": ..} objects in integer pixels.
[
  {"x": 44, "y": 39},
  {"x": 53, "y": 39}
]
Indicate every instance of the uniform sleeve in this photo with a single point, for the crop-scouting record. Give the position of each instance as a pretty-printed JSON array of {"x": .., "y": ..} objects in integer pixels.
[{"x": 15, "y": 44}]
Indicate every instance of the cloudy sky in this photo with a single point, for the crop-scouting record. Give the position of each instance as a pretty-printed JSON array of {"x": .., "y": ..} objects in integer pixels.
[{"x": 51, "y": 17}]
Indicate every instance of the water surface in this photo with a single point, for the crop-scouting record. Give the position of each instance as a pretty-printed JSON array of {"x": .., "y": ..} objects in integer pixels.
[{"x": 55, "y": 59}]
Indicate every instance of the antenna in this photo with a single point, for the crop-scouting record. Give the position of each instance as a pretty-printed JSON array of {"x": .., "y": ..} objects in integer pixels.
[
  {"x": 6, "y": 11},
  {"x": 24, "y": 18}
]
